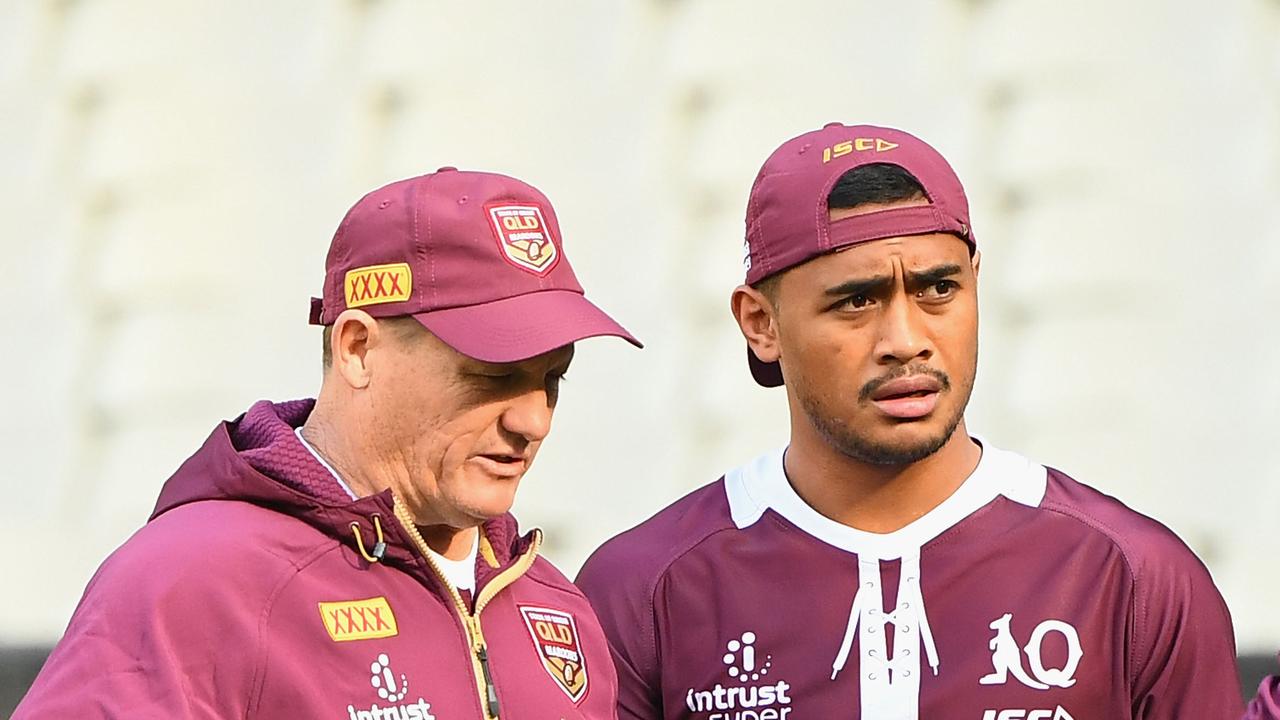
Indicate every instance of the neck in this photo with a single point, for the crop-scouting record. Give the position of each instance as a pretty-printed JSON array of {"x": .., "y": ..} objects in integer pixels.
[
  {"x": 336, "y": 437},
  {"x": 450, "y": 542},
  {"x": 876, "y": 498}
]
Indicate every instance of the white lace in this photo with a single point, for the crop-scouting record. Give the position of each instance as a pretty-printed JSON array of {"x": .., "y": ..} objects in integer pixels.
[{"x": 888, "y": 682}]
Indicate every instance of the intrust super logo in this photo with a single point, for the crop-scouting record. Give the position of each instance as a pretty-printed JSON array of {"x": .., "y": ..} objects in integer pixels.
[
  {"x": 377, "y": 284},
  {"x": 391, "y": 688},
  {"x": 358, "y": 619},
  {"x": 751, "y": 697},
  {"x": 555, "y": 635},
  {"x": 524, "y": 237}
]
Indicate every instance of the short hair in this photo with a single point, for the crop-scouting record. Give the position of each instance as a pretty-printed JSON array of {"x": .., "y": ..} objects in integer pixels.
[
  {"x": 404, "y": 328},
  {"x": 875, "y": 183}
]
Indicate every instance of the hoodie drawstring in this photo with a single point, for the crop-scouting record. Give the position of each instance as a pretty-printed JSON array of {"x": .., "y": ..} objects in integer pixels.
[{"x": 379, "y": 547}]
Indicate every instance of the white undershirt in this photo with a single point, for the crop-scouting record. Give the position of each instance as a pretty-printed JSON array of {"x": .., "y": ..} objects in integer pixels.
[{"x": 461, "y": 574}]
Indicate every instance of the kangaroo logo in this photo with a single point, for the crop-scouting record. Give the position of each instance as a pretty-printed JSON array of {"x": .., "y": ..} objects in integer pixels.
[{"x": 1006, "y": 656}]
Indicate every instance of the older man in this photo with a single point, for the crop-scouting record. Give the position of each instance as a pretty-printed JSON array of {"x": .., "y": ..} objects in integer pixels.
[
  {"x": 352, "y": 556},
  {"x": 887, "y": 565}
]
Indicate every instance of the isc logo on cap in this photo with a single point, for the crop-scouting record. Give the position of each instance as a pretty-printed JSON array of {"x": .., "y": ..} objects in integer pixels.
[
  {"x": 524, "y": 237},
  {"x": 856, "y": 145}
]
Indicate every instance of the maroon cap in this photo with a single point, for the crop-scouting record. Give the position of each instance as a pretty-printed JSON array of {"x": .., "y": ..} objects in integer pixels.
[
  {"x": 787, "y": 220},
  {"x": 476, "y": 257}
]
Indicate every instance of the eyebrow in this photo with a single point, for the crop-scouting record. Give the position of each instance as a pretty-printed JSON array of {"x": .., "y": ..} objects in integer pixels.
[{"x": 879, "y": 283}]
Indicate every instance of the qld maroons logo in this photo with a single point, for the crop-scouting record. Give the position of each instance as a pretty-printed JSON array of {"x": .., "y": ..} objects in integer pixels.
[
  {"x": 1006, "y": 656},
  {"x": 524, "y": 237},
  {"x": 555, "y": 635}
]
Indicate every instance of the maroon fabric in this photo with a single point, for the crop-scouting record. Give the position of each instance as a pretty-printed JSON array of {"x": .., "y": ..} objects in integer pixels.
[
  {"x": 1156, "y": 637},
  {"x": 787, "y": 219},
  {"x": 271, "y": 447},
  {"x": 465, "y": 263},
  {"x": 502, "y": 330},
  {"x": 1266, "y": 705},
  {"x": 212, "y": 610}
]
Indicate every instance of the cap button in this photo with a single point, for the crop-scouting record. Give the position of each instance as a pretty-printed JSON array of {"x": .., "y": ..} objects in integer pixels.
[
  {"x": 832, "y": 124},
  {"x": 447, "y": 168}
]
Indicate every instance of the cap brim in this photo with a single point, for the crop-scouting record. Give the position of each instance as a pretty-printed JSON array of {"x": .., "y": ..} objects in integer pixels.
[
  {"x": 766, "y": 374},
  {"x": 521, "y": 327}
]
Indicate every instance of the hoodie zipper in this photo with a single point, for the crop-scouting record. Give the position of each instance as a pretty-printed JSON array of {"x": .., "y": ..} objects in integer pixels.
[{"x": 488, "y": 692}]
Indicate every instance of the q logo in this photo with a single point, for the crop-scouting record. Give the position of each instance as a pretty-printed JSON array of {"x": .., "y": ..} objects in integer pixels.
[{"x": 1006, "y": 656}]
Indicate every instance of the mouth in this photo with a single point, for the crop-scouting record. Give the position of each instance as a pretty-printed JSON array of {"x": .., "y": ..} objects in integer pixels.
[
  {"x": 501, "y": 465},
  {"x": 909, "y": 398}
]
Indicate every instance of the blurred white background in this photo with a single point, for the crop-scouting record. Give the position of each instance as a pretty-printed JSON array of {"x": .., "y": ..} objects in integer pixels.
[{"x": 171, "y": 173}]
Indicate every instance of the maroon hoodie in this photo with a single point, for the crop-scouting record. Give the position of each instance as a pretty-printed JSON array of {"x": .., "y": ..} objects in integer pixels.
[
  {"x": 259, "y": 589},
  {"x": 1266, "y": 705}
]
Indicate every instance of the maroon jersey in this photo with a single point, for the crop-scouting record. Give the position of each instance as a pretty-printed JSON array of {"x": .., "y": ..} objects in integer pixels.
[{"x": 1023, "y": 596}]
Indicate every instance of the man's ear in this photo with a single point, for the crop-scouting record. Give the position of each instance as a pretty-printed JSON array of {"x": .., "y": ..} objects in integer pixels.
[
  {"x": 355, "y": 332},
  {"x": 977, "y": 260},
  {"x": 758, "y": 321}
]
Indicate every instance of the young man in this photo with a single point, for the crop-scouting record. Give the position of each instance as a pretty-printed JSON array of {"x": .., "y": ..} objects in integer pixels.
[
  {"x": 352, "y": 557},
  {"x": 886, "y": 564}
]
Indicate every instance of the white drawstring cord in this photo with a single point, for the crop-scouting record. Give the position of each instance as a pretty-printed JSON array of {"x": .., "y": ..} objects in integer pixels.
[
  {"x": 911, "y": 573},
  {"x": 855, "y": 612}
]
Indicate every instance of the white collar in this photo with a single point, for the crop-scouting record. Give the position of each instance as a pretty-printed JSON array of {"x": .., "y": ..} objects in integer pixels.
[{"x": 762, "y": 484}]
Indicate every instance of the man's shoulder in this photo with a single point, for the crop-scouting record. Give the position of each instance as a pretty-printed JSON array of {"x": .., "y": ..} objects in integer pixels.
[
  {"x": 642, "y": 554},
  {"x": 205, "y": 546},
  {"x": 1153, "y": 552}
]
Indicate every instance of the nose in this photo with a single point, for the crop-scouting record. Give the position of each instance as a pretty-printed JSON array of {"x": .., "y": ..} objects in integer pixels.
[
  {"x": 529, "y": 415},
  {"x": 903, "y": 336}
]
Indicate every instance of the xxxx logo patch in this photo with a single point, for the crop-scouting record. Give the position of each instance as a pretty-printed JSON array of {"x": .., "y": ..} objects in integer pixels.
[
  {"x": 524, "y": 237},
  {"x": 555, "y": 635},
  {"x": 378, "y": 284},
  {"x": 358, "y": 619}
]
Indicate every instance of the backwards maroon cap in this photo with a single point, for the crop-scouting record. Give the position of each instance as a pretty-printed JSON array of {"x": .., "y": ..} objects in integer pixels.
[
  {"x": 476, "y": 257},
  {"x": 787, "y": 220}
]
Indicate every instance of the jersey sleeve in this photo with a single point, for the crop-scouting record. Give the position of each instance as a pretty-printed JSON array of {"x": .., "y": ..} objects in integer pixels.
[
  {"x": 1266, "y": 704},
  {"x": 623, "y": 601},
  {"x": 1183, "y": 655},
  {"x": 154, "y": 636}
]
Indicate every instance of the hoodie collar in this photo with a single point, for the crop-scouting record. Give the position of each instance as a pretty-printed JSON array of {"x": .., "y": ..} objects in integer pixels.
[{"x": 257, "y": 458}]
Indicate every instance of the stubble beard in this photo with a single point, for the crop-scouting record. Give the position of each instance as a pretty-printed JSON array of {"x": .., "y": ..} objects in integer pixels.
[{"x": 846, "y": 440}]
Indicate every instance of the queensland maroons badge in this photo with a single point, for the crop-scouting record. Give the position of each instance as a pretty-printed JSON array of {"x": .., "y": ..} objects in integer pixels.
[
  {"x": 555, "y": 635},
  {"x": 524, "y": 237}
]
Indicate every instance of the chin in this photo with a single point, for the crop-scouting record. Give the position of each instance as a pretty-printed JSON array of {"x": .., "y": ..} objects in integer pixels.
[{"x": 882, "y": 441}]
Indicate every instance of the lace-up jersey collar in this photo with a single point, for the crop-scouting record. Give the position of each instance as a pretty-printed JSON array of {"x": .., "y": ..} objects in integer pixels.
[{"x": 887, "y": 684}]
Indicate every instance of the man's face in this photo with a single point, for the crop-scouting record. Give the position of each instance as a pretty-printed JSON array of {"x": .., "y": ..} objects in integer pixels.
[
  {"x": 879, "y": 344},
  {"x": 465, "y": 430}
]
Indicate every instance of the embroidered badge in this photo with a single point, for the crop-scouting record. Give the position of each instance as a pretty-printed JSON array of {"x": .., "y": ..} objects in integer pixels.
[
  {"x": 358, "y": 619},
  {"x": 555, "y": 635},
  {"x": 524, "y": 237},
  {"x": 377, "y": 284}
]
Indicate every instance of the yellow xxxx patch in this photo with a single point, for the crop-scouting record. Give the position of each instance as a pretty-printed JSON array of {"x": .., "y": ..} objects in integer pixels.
[
  {"x": 378, "y": 284},
  {"x": 359, "y": 619}
]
